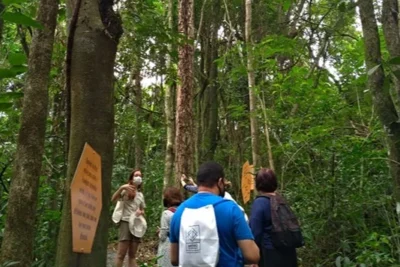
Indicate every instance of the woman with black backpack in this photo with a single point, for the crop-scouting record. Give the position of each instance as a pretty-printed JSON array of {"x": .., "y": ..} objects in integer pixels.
[{"x": 274, "y": 226}]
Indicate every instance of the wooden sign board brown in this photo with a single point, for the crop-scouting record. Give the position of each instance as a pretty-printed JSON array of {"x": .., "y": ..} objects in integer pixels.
[
  {"x": 86, "y": 201},
  {"x": 247, "y": 181}
]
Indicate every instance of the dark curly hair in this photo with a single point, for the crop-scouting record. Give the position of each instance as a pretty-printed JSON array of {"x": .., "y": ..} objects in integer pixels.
[{"x": 172, "y": 197}]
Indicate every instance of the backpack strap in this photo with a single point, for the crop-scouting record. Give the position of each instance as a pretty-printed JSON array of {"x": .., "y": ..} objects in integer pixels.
[{"x": 172, "y": 209}]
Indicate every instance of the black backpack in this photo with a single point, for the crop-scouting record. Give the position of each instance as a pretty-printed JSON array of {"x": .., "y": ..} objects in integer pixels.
[{"x": 286, "y": 231}]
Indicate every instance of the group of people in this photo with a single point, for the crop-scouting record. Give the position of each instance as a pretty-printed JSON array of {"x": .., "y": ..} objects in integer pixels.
[{"x": 210, "y": 228}]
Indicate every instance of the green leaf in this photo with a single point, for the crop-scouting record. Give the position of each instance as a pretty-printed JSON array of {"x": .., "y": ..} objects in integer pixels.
[
  {"x": 286, "y": 5},
  {"x": 17, "y": 59},
  {"x": 9, "y": 96},
  {"x": 394, "y": 61},
  {"x": 372, "y": 70},
  {"x": 19, "y": 69},
  {"x": 9, "y": 2},
  {"x": 20, "y": 18},
  {"x": 397, "y": 74},
  {"x": 342, "y": 6},
  {"x": 338, "y": 261},
  {"x": 7, "y": 73},
  {"x": 5, "y": 106}
]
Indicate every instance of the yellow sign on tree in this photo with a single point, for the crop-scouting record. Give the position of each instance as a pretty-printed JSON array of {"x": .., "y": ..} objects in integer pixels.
[
  {"x": 86, "y": 201},
  {"x": 247, "y": 181}
]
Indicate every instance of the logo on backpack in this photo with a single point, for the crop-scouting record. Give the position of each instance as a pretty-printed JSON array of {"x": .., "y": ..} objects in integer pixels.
[
  {"x": 286, "y": 231},
  {"x": 198, "y": 237}
]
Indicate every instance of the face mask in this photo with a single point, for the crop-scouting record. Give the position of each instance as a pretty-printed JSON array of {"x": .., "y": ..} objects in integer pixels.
[
  {"x": 137, "y": 180},
  {"x": 221, "y": 191}
]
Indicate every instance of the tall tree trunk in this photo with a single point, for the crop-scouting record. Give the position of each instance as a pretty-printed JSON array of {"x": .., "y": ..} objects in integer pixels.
[
  {"x": 139, "y": 144},
  {"x": 20, "y": 223},
  {"x": 381, "y": 97},
  {"x": 1, "y": 22},
  {"x": 210, "y": 102},
  {"x": 169, "y": 104},
  {"x": 390, "y": 24},
  {"x": 252, "y": 83},
  {"x": 97, "y": 33},
  {"x": 184, "y": 156}
]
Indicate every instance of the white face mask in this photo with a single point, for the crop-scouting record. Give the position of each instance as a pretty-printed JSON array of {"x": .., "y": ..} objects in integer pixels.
[{"x": 137, "y": 180}]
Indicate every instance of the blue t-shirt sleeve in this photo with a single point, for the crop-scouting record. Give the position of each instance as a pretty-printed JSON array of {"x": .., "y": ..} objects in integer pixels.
[
  {"x": 258, "y": 218},
  {"x": 240, "y": 227},
  {"x": 174, "y": 228}
]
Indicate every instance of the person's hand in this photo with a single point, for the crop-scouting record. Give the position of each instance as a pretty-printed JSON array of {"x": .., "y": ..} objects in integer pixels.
[
  {"x": 191, "y": 180},
  {"x": 139, "y": 212},
  {"x": 183, "y": 178},
  {"x": 128, "y": 187}
]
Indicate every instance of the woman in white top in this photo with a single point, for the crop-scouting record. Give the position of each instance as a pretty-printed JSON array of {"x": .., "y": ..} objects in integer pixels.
[
  {"x": 133, "y": 199},
  {"x": 172, "y": 198}
]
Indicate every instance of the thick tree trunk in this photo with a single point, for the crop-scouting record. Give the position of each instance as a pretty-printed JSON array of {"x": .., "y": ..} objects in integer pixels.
[
  {"x": 184, "y": 156},
  {"x": 169, "y": 109},
  {"x": 97, "y": 33},
  {"x": 381, "y": 97},
  {"x": 390, "y": 24},
  {"x": 138, "y": 117},
  {"x": 20, "y": 223},
  {"x": 252, "y": 93},
  {"x": 1, "y": 23},
  {"x": 210, "y": 102}
]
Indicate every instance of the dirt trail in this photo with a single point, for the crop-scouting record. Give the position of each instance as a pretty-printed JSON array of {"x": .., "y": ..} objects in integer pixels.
[{"x": 147, "y": 252}]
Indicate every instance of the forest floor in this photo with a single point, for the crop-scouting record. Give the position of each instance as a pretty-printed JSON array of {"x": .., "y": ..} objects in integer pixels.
[{"x": 147, "y": 252}]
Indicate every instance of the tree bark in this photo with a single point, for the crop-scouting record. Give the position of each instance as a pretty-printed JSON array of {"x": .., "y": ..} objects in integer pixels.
[
  {"x": 20, "y": 223},
  {"x": 210, "y": 102},
  {"x": 97, "y": 33},
  {"x": 184, "y": 156},
  {"x": 169, "y": 107},
  {"x": 381, "y": 97},
  {"x": 1, "y": 23},
  {"x": 138, "y": 117},
  {"x": 251, "y": 81},
  {"x": 390, "y": 24}
]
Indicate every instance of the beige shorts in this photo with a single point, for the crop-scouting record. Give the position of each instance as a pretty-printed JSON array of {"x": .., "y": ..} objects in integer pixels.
[{"x": 125, "y": 234}]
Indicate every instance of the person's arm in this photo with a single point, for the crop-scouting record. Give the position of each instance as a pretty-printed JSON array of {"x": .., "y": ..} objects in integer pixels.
[
  {"x": 244, "y": 237},
  {"x": 174, "y": 239},
  {"x": 117, "y": 193},
  {"x": 174, "y": 254},
  {"x": 257, "y": 220},
  {"x": 142, "y": 206},
  {"x": 250, "y": 251},
  {"x": 192, "y": 181},
  {"x": 191, "y": 188}
]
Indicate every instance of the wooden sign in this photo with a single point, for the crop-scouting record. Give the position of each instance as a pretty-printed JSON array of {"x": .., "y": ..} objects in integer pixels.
[
  {"x": 86, "y": 201},
  {"x": 247, "y": 181}
]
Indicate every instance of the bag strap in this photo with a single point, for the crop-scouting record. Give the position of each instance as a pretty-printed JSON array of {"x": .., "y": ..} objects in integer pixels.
[{"x": 172, "y": 209}]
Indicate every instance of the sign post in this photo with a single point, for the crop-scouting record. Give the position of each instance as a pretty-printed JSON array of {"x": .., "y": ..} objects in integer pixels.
[
  {"x": 86, "y": 201},
  {"x": 247, "y": 181}
]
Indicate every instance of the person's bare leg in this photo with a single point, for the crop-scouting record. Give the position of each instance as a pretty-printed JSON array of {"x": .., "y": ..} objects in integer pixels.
[
  {"x": 123, "y": 247},
  {"x": 133, "y": 247}
]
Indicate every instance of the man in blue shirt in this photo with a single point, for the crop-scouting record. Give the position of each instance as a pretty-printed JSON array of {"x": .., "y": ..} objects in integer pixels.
[{"x": 233, "y": 231}]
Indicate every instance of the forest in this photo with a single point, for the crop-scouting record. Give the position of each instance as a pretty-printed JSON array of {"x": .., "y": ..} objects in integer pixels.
[{"x": 308, "y": 88}]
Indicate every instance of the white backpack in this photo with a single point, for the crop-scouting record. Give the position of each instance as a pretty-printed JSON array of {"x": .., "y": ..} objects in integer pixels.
[
  {"x": 198, "y": 237},
  {"x": 118, "y": 211}
]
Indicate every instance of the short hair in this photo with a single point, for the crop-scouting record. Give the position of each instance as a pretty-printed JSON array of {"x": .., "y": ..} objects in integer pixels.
[
  {"x": 172, "y": 196},
  {"x": 266, "y": 181},
  {"x": 209, "y": 174}
]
